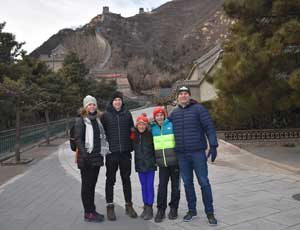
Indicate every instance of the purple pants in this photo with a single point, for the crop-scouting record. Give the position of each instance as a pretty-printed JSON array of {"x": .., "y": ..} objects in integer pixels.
[{"x": 147, "y": 183}]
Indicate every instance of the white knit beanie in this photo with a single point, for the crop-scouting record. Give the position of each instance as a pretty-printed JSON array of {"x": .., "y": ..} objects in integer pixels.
[{"x": 88, "y": 100}]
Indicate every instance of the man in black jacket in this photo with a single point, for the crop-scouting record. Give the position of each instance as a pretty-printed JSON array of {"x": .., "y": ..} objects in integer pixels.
[{"x": 118, "y": 122}]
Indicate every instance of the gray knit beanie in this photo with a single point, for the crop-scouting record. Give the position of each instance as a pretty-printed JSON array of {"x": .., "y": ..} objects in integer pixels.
[{"x": 88, "y": 100}]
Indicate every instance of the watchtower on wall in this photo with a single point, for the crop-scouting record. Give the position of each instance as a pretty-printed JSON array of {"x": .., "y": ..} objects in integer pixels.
[
  {"x": 105, "y": 10},
  {"x": 141, "y": 10}
]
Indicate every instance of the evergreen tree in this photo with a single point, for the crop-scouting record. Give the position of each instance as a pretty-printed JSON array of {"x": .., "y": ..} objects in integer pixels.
[
  {"x": 10, "y": 50},
  {"x": 258, "y": 83},
  {"x": 13, "y": 90},
  {"x": 75, "y": 85},
  {"x": 17, "y": 90},
  {"x": 46, "y": 97},
  {"x": 102, "y": 90}
]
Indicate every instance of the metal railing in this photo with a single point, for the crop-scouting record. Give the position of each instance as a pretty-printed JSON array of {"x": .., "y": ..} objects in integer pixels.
[
  {"x": 30, "y": 134},
  {"x": 259, "y": 134}
]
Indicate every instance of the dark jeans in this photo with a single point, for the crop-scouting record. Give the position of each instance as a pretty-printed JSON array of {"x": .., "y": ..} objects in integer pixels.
[
  {"x": 164, "y": 175},
  {"x": 196, "y": 162},
  {"x": 112, "y": 163},
  {"x": 89, "y": 176}
]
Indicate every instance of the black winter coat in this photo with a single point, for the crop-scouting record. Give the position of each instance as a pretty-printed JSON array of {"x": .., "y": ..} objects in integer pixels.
[
  {"x": 144, "y": 155},
  {"x": 84, "y": 158},
  {"x": 117, "y": 127}
]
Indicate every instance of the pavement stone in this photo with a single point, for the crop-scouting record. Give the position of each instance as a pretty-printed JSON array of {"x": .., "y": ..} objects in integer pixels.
[
  {"x": 244, "y": 195},
  {"x": 277, "y": 153},
  {"x": 249, "y": 193},
  {"x": 257, "y": 224},
  {"x": 46, "y": 197},
  {"x": 289, "y": 217}
]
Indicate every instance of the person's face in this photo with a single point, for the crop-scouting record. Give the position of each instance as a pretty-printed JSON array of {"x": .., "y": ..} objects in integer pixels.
[
  {"x": 159, "y": 118},
  {"x": 117, "y": 103},
  {"x": 91, "y": 108},
  {"x": 141, "y": 127},
  {"x": 183, "y": 98}
]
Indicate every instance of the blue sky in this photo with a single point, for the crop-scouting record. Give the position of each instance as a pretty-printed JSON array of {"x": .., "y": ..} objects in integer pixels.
[{"x": 34, "y": 21}]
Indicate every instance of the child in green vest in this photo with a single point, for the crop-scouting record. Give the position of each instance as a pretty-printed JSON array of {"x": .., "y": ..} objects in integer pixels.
[{"x": 164, "y": 144}]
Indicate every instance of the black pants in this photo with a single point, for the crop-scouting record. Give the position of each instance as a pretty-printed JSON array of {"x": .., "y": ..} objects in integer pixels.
[
  {"x": 164, "y": 175},
  {"x": 89, "y": 176},
  {"x": 112, "y": 163}
]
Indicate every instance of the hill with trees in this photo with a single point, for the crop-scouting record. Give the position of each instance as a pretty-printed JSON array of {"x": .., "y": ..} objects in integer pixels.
[{"x": 170, "y": 37}]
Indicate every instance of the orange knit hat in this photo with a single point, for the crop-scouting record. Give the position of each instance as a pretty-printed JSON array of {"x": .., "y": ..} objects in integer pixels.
[
  {"x": 142, "y": 118},
  {"x": 157, "y": 110}
]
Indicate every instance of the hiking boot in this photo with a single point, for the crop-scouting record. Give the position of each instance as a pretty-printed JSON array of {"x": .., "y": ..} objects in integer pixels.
[
  {"x": 143, "y": 212},
  {"x": 212, "y": 220},
  {"x": 148, "y": 212},
  {"x": 130, "y": 211},
  {"x": 173, "y": 214},
  {"x": 190, "y": 215},
  {"x": 160, "y": 215},
  {"x": 111, "y": 212},
  {"x": 100, "y": 216},
  {"x": 93, "y": 217}
]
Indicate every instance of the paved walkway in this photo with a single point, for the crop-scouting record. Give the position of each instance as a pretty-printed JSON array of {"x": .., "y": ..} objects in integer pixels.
[
  {"x": 249, "y": 193},
  {"x": 47, "y": 197},
  {"x": 288, "y": 156}
]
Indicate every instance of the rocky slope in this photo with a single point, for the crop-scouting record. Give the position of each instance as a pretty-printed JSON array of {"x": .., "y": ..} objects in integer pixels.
[{"x": 172, "y": 36}]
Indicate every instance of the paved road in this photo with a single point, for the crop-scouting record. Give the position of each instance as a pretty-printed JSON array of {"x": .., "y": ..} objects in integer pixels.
[{"x": 249, "y": 193}]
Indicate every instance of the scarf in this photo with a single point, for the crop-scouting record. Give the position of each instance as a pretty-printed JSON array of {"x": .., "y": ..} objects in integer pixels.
[{"x": 89, "y": 137}]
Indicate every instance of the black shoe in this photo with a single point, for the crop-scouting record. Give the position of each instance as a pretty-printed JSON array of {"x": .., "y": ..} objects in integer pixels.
[
  {"x": 160, "y": 215},
  {"x": 212, "y": 220},
  {"x": 100, "y": 216},
  {"x": 173, "y": 214},
  {"x": 143, "y": 213},
  {"x": 148, "y": 212},
  {"x": 129, "y": 210},
  {"x": 190, "y": 215}
]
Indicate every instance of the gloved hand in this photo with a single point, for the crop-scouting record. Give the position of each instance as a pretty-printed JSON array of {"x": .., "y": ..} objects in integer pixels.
[
  {"x": 132, "y": 136},
  {"x": 213, "y": 153}
]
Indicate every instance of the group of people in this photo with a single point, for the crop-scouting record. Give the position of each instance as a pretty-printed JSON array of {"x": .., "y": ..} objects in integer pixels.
[{"x": 176, "y": 144}]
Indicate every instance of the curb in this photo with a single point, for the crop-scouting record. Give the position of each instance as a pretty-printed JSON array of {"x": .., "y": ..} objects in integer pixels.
[{"x": 274, "y": 163}]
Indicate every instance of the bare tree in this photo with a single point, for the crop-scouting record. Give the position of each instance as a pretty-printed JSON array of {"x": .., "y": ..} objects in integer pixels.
[{"x": 142, "y": 74}]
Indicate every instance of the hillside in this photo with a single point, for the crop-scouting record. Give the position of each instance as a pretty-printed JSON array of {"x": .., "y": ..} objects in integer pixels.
[{"x": 172, "y": 36}]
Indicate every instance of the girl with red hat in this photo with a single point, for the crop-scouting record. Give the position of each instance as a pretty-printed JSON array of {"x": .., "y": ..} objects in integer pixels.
[{"x": 144, "y": 163}]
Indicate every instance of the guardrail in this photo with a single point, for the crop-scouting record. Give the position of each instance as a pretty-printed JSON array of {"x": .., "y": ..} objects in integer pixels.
[
  {"x": 259, "y": 135},
  {"x": 30, "y": 134}
]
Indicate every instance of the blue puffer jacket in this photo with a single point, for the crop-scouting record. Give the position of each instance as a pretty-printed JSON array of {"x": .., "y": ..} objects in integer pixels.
[{"x": 192, "y": 124}]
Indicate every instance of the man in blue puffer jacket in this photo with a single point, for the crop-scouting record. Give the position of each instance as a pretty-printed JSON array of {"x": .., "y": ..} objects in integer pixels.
[{"x": 192, "y": 125}]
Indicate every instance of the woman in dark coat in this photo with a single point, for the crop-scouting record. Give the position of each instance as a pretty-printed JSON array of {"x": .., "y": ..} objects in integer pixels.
[{"x": 89, "y": 134}]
